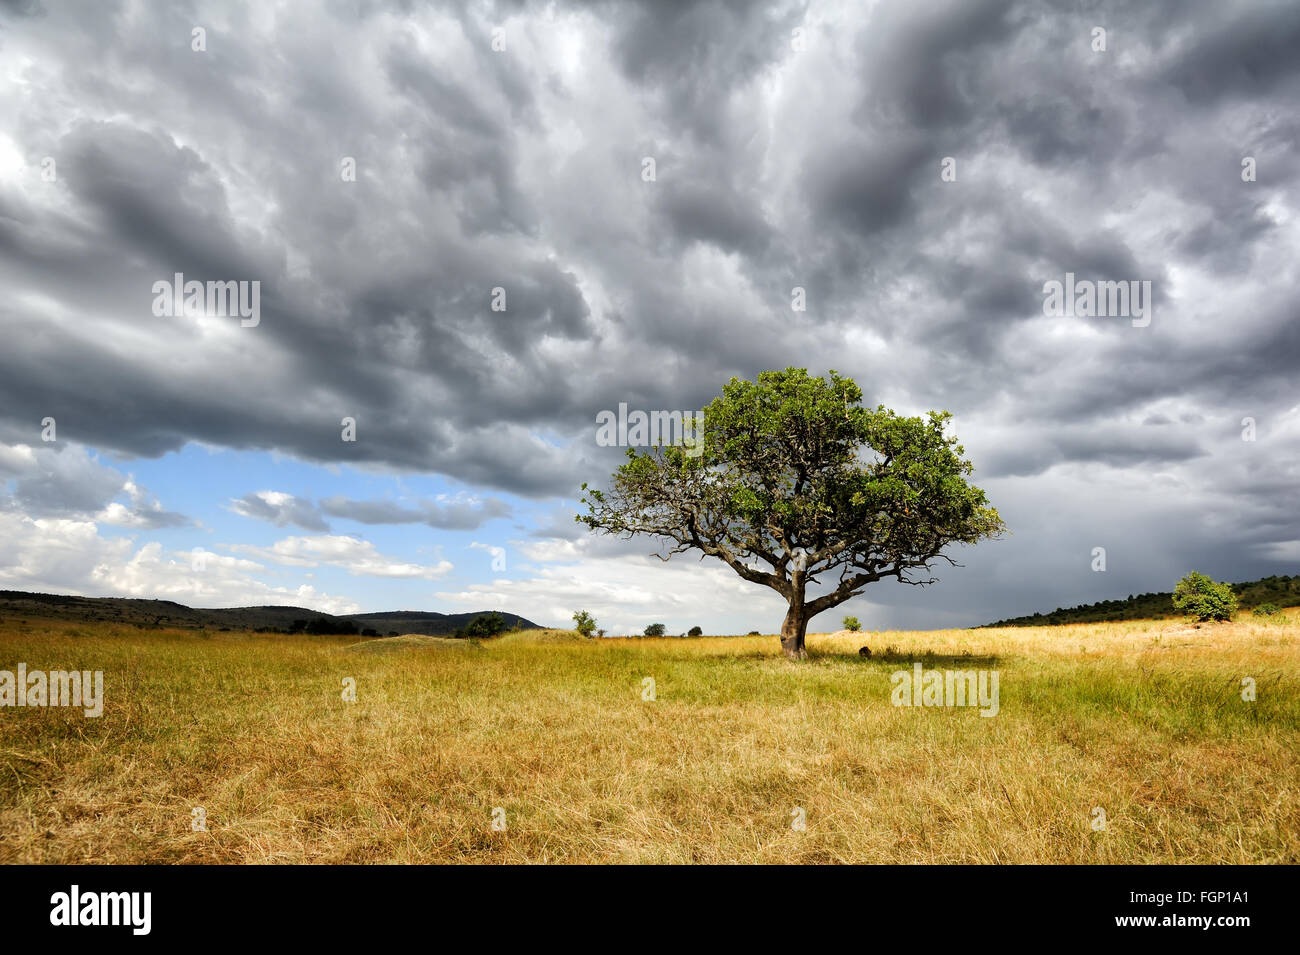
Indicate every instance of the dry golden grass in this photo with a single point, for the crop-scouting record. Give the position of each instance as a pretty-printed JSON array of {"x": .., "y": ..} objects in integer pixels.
[{"x": 1144, "y": 720}]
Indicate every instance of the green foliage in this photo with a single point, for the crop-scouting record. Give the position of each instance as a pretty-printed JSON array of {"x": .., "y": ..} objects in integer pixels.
[
  {"x": 485, "y": 625},
  {"x": 695, "y": 632},
  {"x": 655, "y": 630},
  {"x": 1200, "y": 596},
  {"x": 584, "y": 623},
  {"x": 1265, "y": 610},
  {"x": 790, "y": 444},
  {"x": 851, "y": 623}
]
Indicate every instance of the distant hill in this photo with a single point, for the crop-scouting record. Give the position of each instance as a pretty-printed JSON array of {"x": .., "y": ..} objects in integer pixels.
[
  {"x": 1282, "y": 591},
  {"x": 167, "y": 613}
]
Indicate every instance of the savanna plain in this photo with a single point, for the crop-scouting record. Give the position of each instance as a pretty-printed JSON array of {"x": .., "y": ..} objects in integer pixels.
[{"x": 733, "y": 754}]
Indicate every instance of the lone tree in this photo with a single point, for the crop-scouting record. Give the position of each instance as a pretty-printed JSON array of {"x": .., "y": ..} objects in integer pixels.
[
  {"x": 795, "y": 486},
  {"x": 585, "y": 623},
  {"x": 1204, "y": 598}
]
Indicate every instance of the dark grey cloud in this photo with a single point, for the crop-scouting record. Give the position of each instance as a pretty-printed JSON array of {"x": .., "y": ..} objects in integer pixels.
[
  {"x": 692, "y": 56},
  {"x": 1243, "y": 53},
  {"x": 776, "y": 167},
  {"x": 21, "y": 8},
  {"x": 64, "y": 481},
  {"x": 705, "y": 213},
  {"x": 283, "y": 510},
  {"x": 451, "y": 515}
]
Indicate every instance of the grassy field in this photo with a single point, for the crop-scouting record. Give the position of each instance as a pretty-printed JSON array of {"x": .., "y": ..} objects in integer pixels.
[{"x": 1144, "y": 720}]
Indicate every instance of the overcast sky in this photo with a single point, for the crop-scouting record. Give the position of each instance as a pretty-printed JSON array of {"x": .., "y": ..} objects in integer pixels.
[{"x": 381, "y": 168}]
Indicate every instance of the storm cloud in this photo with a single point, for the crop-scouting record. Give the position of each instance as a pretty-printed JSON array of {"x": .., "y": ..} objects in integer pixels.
[{"x": 918, "y": 170}]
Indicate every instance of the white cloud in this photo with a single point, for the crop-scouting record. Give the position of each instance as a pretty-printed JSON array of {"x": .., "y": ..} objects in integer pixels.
[
  {"x": 70, "y": 556},
  {"x": 625, "y": 593},
  {"x": 356, "y": 556},
  {"x": 68, "y": 481}
]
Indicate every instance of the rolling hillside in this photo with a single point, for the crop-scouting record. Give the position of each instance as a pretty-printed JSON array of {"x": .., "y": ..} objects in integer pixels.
[
  {"x": 1281, "y": 591},
  {"x": 167, "y": 613}
]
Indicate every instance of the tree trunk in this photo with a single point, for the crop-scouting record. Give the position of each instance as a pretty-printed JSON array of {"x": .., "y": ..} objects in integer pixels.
[{"x": 792, "y": 631}]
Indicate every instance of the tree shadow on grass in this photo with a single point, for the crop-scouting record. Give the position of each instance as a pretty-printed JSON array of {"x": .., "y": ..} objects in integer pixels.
[{"x": 927, "y": 658}]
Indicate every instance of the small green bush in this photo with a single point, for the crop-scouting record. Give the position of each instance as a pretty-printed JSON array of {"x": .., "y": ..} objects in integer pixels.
[
  {"x": 851, "y": 623},
  {"x": 655, "y": 630},
  {"x": 1202, "y": 597},
  {"x": 486, "y": 625},
  {"x": 695, "y": 632},
  {"x": 584, "y": 623},
  {"x": 1265, "y": 610}
]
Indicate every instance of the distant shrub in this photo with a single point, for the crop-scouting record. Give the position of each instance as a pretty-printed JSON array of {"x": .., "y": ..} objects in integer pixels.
[
  {"x": 1202, "y": 597},
  {"x": 695, "y": 632},
  {"x": 753, "y": 633},
  {"x": 1265, "y": 610},
  {"x": 584, "y": 623},
  {"x": 655, "y": 630},
  {"x": 486, "y": 625},
  {"x": 600, "y": 633},
  {"x": 851, "y": 623}
]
